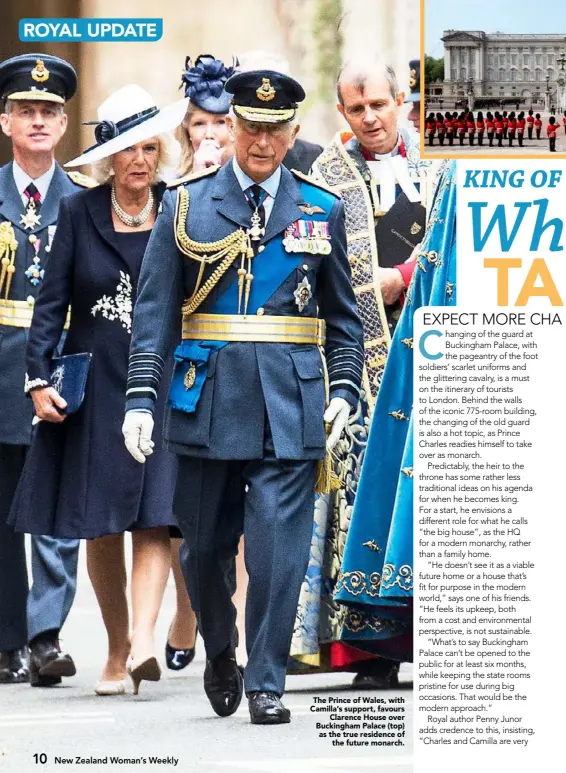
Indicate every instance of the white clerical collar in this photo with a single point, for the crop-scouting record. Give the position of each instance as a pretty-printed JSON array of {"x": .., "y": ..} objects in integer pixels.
[
  {"x": 22, "y": 180},
  {"x": 394, "y": 152},
  {"x": 270, "y": 186}
]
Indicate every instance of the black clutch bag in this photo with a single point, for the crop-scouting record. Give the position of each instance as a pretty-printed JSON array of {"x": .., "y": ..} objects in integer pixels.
[
  {"x": 68, "y": 377},
  {"x": 399, "y": 230}
]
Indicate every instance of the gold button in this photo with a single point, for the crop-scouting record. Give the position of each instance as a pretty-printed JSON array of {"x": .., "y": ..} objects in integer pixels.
[
  {"x": 305, "y": 267},
  {"x": 260, "y": 312},
  {"x": 30, "y": 300},
  {"x": 32, "y": 238},
  {"x": 261, "y": 248}
]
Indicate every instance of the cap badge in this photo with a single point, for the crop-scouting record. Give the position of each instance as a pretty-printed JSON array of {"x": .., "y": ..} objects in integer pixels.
[
  {"x": 412, "y": 78},
  {"x": 265, "y": 92},
  {"x": 415, "y": 228},
  {"x": 40, "y": 73}
]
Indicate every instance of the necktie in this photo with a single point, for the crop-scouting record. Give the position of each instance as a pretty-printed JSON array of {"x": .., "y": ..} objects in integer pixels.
[
  {"x": 33, "y": 195},
  {"x": 256, "y": 196}
]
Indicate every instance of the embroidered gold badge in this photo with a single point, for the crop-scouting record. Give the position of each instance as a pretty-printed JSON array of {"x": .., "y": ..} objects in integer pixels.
[
  {"x": 412, "y": 78},
  {"x": 415, "y": 228},
  {"x": 190, "y": 376},
  {"x": 265, "y": 92},
  {"x": 40, "y": 73}
]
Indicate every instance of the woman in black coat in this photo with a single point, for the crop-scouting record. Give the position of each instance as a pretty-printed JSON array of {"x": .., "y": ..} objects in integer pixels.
[{"x": 87, "y": 483}]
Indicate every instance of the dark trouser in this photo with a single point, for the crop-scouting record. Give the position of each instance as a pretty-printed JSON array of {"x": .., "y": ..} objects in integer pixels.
[
  {"x": 431, "y": 139},
  {"x": 461, "y": 138},
  {"x": 538, "y": 134},
  {"x": 520, "y": 139},
  {"x": 490, "y": 138},
  {"x": 480, "y": 138},
  {"x": 499, "y": 140},
  {"x": 275, "y": 514},
  {"x": 505, "y": 130},
  {"x": 511, "y": 138},
  {"x": 13, "y": 572},
  {"x": 472, "y": 139},
  {"x": 53, "y": 564},
  {"x": 552, "y": 143},
  {"x": 450, "y": 139},
  {"x": 441, "y": 139},
  {"x": 530, "y": 132}
]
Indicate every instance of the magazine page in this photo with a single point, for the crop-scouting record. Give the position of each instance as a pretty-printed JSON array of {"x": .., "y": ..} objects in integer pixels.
[{"x": 280, "y": 366}]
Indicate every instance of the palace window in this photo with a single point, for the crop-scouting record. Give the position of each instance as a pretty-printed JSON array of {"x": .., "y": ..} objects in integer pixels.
[
  {"x": 513, "y": 75},
  {"x": 463, "y": 73},
  {"x": 514, "y": 59},
  {"x": 454, "y": 74},
  {"x": 502, "y": 75},
  {"x": 538, "y": 76},
  {"x": 550, "y": 60},
  {"x": 501, "y": 59},
  {"x": 490, "y": 61},
  {"x": 490, "y": 75},
  {"x": 526, "y": 60},
  {"x": 538, "y": 60},
  {"x": 526, "y": 75}
]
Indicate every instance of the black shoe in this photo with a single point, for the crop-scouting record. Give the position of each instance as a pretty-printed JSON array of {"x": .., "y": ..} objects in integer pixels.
[
  {"x": 47, "y": 663},
  {"x": 14, "y": 667},
  {"x": 223, "y": 683},
  {"x": 380, "y": 674},
  {"x": 178, "y": 659},
  {"x": 266, "y": 709}
]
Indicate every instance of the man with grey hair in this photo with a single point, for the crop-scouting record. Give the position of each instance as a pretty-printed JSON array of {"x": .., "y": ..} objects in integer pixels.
[
  {"x": 259, "y": 254},
  {"x": 376, "y": 168},
  {"x": 303, "y": 154},
  {"x": 33, "y": 88}
]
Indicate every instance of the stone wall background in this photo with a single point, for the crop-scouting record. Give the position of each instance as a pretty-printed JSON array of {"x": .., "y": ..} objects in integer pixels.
[{"x": 314, "y": 35}]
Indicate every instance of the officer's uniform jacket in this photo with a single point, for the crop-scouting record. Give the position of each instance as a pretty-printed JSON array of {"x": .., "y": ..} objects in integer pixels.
[
  {"x": 16, "y": 308},
  {"x": 248, "y": 384}
]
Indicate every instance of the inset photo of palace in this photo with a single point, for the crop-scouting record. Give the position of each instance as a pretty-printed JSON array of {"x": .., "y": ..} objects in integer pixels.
[{"x": 493, "y": 92}]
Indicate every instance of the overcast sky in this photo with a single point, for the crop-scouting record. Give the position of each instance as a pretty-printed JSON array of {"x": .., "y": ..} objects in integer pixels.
[{"x": 511, "y": 16}]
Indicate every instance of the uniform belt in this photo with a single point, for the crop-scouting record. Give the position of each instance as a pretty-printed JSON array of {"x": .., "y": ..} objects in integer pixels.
[
  {"x": 256, "y": 329},
  {"x": 20, "y": 313}
]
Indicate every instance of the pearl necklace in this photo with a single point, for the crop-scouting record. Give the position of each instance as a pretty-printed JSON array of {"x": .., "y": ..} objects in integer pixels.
[{"x": 133, "y": 220}]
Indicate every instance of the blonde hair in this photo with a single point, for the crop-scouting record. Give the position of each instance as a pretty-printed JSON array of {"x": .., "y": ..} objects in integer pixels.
[
  {"x": 169, "y": 152},
  {"x": 187, "y": 157}
]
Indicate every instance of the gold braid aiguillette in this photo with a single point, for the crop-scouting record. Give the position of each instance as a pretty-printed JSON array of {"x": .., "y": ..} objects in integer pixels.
[{"x": 206, "y": 253}]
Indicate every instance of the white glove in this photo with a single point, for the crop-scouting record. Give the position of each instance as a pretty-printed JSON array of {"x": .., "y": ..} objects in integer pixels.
[
  {"x": 337, "y": 412},
  {"x": 137, "y": 429}
]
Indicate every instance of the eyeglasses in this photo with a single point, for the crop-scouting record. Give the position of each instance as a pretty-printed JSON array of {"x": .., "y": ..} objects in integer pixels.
[{"x": 272, "y": 129}]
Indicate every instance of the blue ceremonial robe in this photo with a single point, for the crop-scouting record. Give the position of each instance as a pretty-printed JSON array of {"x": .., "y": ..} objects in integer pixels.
[{"x": 376, "y": 578}]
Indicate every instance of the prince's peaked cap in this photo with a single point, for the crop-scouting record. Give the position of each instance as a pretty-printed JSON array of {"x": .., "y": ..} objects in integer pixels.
[{"x": 264, "y": 96}]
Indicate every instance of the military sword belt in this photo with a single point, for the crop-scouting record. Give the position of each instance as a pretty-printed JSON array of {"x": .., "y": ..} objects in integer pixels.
[
  {"x": 254, "y": 329},
  {"x": 20, "y": 313}
]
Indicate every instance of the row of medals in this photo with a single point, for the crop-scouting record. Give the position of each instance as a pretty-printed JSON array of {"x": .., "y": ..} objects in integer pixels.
[{"x": 311, "y": 237}]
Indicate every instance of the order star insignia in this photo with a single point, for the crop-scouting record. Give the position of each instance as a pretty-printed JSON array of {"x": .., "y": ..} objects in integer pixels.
[{"x": 30, "y": 219}]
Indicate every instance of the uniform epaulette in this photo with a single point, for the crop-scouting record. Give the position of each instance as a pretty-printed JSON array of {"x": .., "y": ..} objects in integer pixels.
[
  {"x": 314, "y": 182},
  {"x": 82, "y": 179},
  {"x": 189, "y": 178}
]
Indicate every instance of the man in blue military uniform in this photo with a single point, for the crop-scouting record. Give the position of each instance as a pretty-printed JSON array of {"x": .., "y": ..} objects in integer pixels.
[
  {"x": 259, "y": 255},
  {"x": 33, "y": 90}
]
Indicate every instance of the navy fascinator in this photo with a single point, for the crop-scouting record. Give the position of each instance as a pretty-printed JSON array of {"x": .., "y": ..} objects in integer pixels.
[{"x": 204, "y": 83}]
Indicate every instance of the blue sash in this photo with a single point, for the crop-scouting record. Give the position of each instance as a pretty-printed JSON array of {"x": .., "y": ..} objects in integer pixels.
[{"x": 271, "y": 268}]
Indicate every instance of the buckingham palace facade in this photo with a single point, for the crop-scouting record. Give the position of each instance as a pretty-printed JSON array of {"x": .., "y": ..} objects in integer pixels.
[{"x": 525, "y": 67}]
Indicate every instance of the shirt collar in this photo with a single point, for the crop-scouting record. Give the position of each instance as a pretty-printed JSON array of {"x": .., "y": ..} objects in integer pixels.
[
  {"x": 22, "y": 179},
  {"x": 270, "y": 186}
]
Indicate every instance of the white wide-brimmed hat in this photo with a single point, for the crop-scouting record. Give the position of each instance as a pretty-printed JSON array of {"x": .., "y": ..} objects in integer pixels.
[{"x": 127, "y": 117}]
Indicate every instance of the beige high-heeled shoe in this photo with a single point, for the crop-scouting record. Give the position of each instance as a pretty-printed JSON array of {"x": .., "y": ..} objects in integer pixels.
[
  {"x": 111, "y": 687},
  {"x": 148, "y": 669}
]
